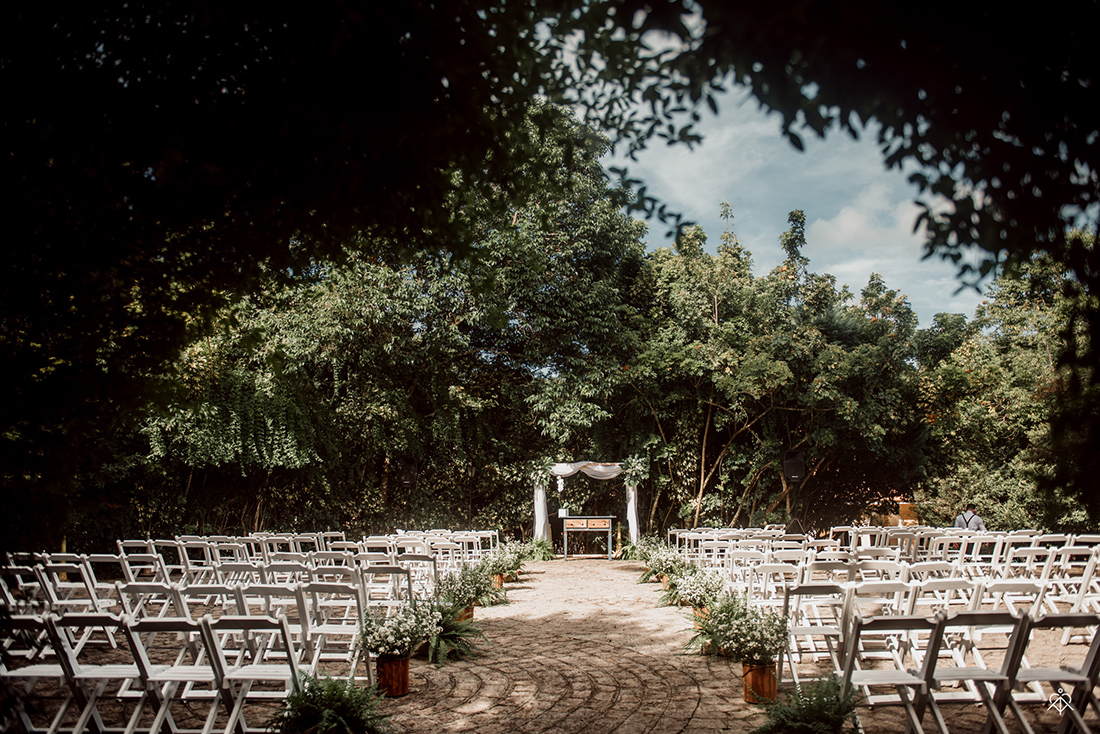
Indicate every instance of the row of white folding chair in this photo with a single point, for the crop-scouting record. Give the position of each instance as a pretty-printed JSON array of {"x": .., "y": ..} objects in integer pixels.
[
  {"x": 302, "y": 542},
  {"x": 1048, "y": 567},
  {"x": 864, "y": 536},
  {"x": 146, "y": 677},
  {"x": 379, "y": 584},
  {"x": 191, "y": 556},
  {"x": 217, "y": 670},
  {"x": 451, "y": 549},
  {"x": 447, "y": 553},
  {"x": 763, "y": 576},
  {"x": 941, "y": 657},
  {"x": 299, "y": 542},
  {"x": 73, "y": 579},
  {"x": 992, "y": 547},
  {"x": 325, "y": 617},
  {"x": 280, "y": 567},
  {"x": 822, "y": 614},
  {"x": 62, "y": 588}
]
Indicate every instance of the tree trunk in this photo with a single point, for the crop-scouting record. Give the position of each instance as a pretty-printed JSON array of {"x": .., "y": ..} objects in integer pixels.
[{"x": 703, "y": 466}]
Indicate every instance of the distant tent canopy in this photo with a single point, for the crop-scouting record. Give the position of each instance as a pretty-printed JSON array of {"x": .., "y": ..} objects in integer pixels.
[{"x": 594, "y": 469}]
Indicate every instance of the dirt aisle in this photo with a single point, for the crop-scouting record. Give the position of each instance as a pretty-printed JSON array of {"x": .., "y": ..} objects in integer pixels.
[{"x": 580, "y": 648}]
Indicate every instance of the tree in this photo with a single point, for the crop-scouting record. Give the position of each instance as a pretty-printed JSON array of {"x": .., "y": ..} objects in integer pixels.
[
  {"x": 162, "y": 159},
  {"x": 732, "y": 371},
  {"x": 988, "y": 405},
  {"x": 302, "y": 410}
]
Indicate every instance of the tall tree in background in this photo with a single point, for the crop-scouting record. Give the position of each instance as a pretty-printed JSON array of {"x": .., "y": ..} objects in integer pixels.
[
  {"x": 988, "y": 403},
  {"x": 734, "y": 371},
  {"x": 302, "y": 412},
  {"x": 162, "y": 159}
]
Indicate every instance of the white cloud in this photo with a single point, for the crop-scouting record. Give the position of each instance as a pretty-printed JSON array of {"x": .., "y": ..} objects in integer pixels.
[{"x": 860, "y": 215}]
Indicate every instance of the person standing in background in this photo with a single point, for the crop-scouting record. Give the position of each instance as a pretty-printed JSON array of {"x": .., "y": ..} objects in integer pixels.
[{"x": 970, "y": 520}]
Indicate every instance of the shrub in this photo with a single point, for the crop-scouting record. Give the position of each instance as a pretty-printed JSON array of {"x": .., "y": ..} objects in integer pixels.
[
  {"x": 469, "y": 585},
  {"x": 402, "y": 632},
  {"x": 701, "y": 588},
  {"x": 453, "y": 638},
  {"x": 814, "y": 707},
  {"x": 538, "y": 550},
  {"x": 327, "y": 706},
  {"x": 506, "y": 559},
  {"x": 641, "y": 550},
  {"x": 664, "y": 560}
]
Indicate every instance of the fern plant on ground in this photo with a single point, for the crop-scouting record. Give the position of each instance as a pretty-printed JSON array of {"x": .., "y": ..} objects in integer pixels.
[
  {"x": 814, "y": 707},
  {"x": 330, "y": 706}
]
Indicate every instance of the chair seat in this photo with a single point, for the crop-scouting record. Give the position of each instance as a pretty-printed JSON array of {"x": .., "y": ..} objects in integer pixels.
[
  {"x": 190, "y": 674},
  {"x": 334, "y": 629},
  {"x": 100, "y": 672},
  {"x": 816, "y": 629},
  {"x": 983, "y": 675},
  {"x": 1042, "y": 675},
  {"x": 885, "y": 678},
  {"x": 38, "y": 670},
  {"x": 259, "y": 671}
]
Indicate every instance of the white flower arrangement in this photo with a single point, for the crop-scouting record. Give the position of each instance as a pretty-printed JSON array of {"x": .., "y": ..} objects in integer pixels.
[
  {"x": 760, "y": 637},
  {"x": 466, "y": 586},
  {"x": 401, "y": 633},
  {"x": 735, "y": 628},
  {"x": 701, "y": 588},
  {"x": 506, "y": 559},
  {"x": 667, "y": 561}
]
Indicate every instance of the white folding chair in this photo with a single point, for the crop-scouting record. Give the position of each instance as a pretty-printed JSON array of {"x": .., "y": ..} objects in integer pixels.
[
  {"x": 911, "y": 687},
  {"x": 238, "y": 667},
  {"x": 333, "y": 625},
  {"x": 865, "y": 599},
  {"x": 174, "y": 674},
  {"x": 963, "y": 664},
  {"x": 1082, "y": 677},
  {"x": 91, "y": 682},
  {"x": 198, "y": 558},
  {"x": 423, "y": 573},
  {"x": 940, "y": 594},
  {"x": 387, "y": 586},
  {"x": 43, "y": 698},
  {"x": 277, "y": 600},
  {"x": 812, "y": 611}
]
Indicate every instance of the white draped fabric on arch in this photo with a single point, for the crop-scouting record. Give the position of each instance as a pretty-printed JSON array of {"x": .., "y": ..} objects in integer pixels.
[{"x": 594, "y": 469}]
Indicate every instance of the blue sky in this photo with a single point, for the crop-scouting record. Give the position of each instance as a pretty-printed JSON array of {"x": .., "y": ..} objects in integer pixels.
[{"x": 859, "y": 215}]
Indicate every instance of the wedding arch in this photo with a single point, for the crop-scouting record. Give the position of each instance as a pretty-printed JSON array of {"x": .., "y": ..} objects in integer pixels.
[{"x": 594, "y": 469}]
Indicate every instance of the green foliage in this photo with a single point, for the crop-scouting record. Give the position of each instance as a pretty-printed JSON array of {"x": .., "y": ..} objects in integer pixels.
[
  {"x": 635, "y": 470},
  {"x": 813, "y": 707},
  {"x": 329, "y": 706},
  {"x": 641, "y": 550},
  {"x": 453, "y": 638},
  {"x": 538, "y": 549},
  {"x": 732, "y": 370},
  {"x": 300, "y": 410},
  {"x": 154, "y": 162},
  {"x": 988, "y": 406},
  {"x": 303, "y": 409},
  {"x": 664, "y": 560}
]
